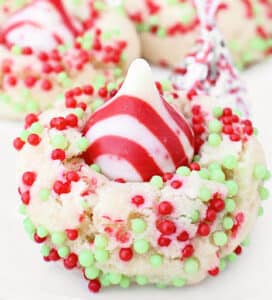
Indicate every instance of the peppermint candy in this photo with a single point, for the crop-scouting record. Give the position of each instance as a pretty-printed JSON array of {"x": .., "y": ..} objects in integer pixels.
[
  {"x": 42, "y": 25},
  {"x": 137, "y": 134}
]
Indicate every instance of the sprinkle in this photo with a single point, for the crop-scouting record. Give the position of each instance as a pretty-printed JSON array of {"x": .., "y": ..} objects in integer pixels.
[
  {"x": 214, "y": 140},
  {"x": 191, "y": 265},
  {"x": 215, "y": 126},
  {"x": 179, "y": 282},
  {"x": 45, "y": 250},
  {"x": 183, "y": 171},
  {"x": 195, "y": 216},
  {"x": 125, "y": 282},
  {"x": 63, "y": 251},
  {"x": 101, "y": 255},
  {"x": 83, "y": 144},
  {"x": 29, "y": 226},
  {"x": 58, "y": 238},
  {"x": 222, "y": 264},
  {"x": 91, "y": 272},
  {"x": 232, "y": 257},
  {"x": 230, "y": 205},
  {"x": 96, "y": 168},
  {"x": 96, "y": 104},
  {"x": 220, "y": 238},
  {"x": 260, "y": 211},
  {"x": 156, "y": 260},
  {"x": 141, "y": 246},
  {"x": 22, "y": 209},
  {"x": 86, "y": 258},
  {"x": 42, "y": 231},
  {"x": 115, "y": 278},
  {"x": 218, "y": 175},
  {"x": 59, "y": 141},
  {"x": 141, "y": 280},
  {"x": 204, "y": 174},
  {"x": 157, "y": 182},
  {"x": 217, "y": 112},
  {"x": 204, "y": 194},
  {"x": 264, "y": 193},
  {"x": 36, "y": 128},
  {"x": 227, "y": 223},
  {"x": 232, "y": 188},
  {"x": 230, "y": 162},
  {"x": 138, "y": 225},
  {"x": 101, "y": 241},
  {"x": 104, "y": 279},
  {"x": 260, "y": 172},
  {"x": 79, "y": 112},
  {"x": 44, "y": 194},
  {"x": 246, "y": 242}
]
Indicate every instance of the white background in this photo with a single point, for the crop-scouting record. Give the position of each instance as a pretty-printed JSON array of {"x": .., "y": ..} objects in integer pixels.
[{"x": 24, "y": 275}]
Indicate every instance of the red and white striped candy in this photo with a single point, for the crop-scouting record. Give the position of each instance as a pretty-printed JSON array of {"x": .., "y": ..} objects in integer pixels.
[
  {"x": 137, "y": 134},
  {"x": 42, "y": 25}
]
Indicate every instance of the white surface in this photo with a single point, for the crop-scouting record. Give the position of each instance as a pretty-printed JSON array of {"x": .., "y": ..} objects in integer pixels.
[{"x": 24, "y": 275}]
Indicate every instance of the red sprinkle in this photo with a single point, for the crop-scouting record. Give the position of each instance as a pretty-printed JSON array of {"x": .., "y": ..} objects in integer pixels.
[
  {"x": 72, "y": 234},
  {"x": 28, "y": 178},
  {"x": 126, "y": 254},
  {"x": 166, "y": 227},
  {"x": 137, "y": 200},
  {"x": 165, "y": 208},
  {"x": 70, "y": 261},
  {"x": 94, "y": 285}
]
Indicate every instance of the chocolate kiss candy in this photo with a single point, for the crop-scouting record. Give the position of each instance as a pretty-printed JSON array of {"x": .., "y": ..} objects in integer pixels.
[
  {"x": 137, "y": 134},
  {"x": 42, "y": 25}
]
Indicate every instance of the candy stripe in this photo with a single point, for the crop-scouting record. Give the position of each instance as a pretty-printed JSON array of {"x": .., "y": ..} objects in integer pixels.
[
  {"x": 147, "y": 116},
  {"x": 128, "y": 150},
  {"x": 64, "y": 15},
  {"x": 141, "y": 135},
  {"x": 183, "y": 125}
]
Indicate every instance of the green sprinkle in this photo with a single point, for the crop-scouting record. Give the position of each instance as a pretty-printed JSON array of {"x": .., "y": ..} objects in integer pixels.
[
  {"x": 91, "y": 272},
  {"x": 191, "y": 265},
  {"x": 230, "y": 162},
  {"x": 204, "y": 174},
  {"x": 156, "y": 260},
  {"x": 195, "y": 216},
  {"x": 204, "y": 194},
  {"x": 258, "y": 44},
  {"x": 125, "y": 282},
  {"x": 183, "y": 171},
  {"x": 115, "y": 278},
  {"x": 217, "y": 112},
  {"x": 44, "y": 194},
  {"x": 214, "y": 166},
  {"x": 111, "y": 86},
  {"x": 36, "y": 128},
  {"x": 104, "y": 279},
  {"x": 45, "y": 250},
  {"x": 260, "y": 211},
  {"x": 187, "y": 13},
  {"x": 232, "y": 188},
  {"x": 83, "y": 144},
  {"x": 138, "y": 225},
  {"x": 86, "y": 258},
  {"x": 42, "y": 231},
  {"x": 215, "y": 126},
  {"x": 101, "y": 255},
  {"x": 141, "y": 280},
  {"x": 220, "y": 238},
  {"x": 100, "y": 241},
  {"x": 79, "y": 112},
  {"x": 264, "y": 193},
  {"x": 141, "y": 246},
  {"x": 179, "y": 282},
  {"x": 153, "y": 20},
  {"x": 232, "y": 257},
  {"x": 230, "y": 205},
  {"x": 58, "y": 238},
  {"x": 16, "y": 50},
  {"x": 96, "y": 168},
  {"x": 246, "y": 242},
  {"x": 22, "y": 209},
  {"x": 222, "y": 264},
  {"x": 96, "y": 104},
  {"x": 214, "y": 139},
  {"x": 59, "y": 141},
  {"x": 63, "y": 251},
  {"x": 29, "y": 226},
  {"x": 260, "y": 172},
  {"x": 218, "y": 175},
  {"x": 32, "y": 106},
  {"x": 267, "y": 175},
  {"x": 196, "y": 158},
  {"x": 24, "y": 135},
  {"x": 160, "y": 285},
  {"x": 227, "y": 223},
  {"x": 157, "y": 182}
]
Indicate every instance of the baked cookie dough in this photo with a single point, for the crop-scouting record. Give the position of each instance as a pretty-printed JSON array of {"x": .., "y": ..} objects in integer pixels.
[
  {"x": 169, "y": 29},
  {"x": 44, "y": 50}
]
